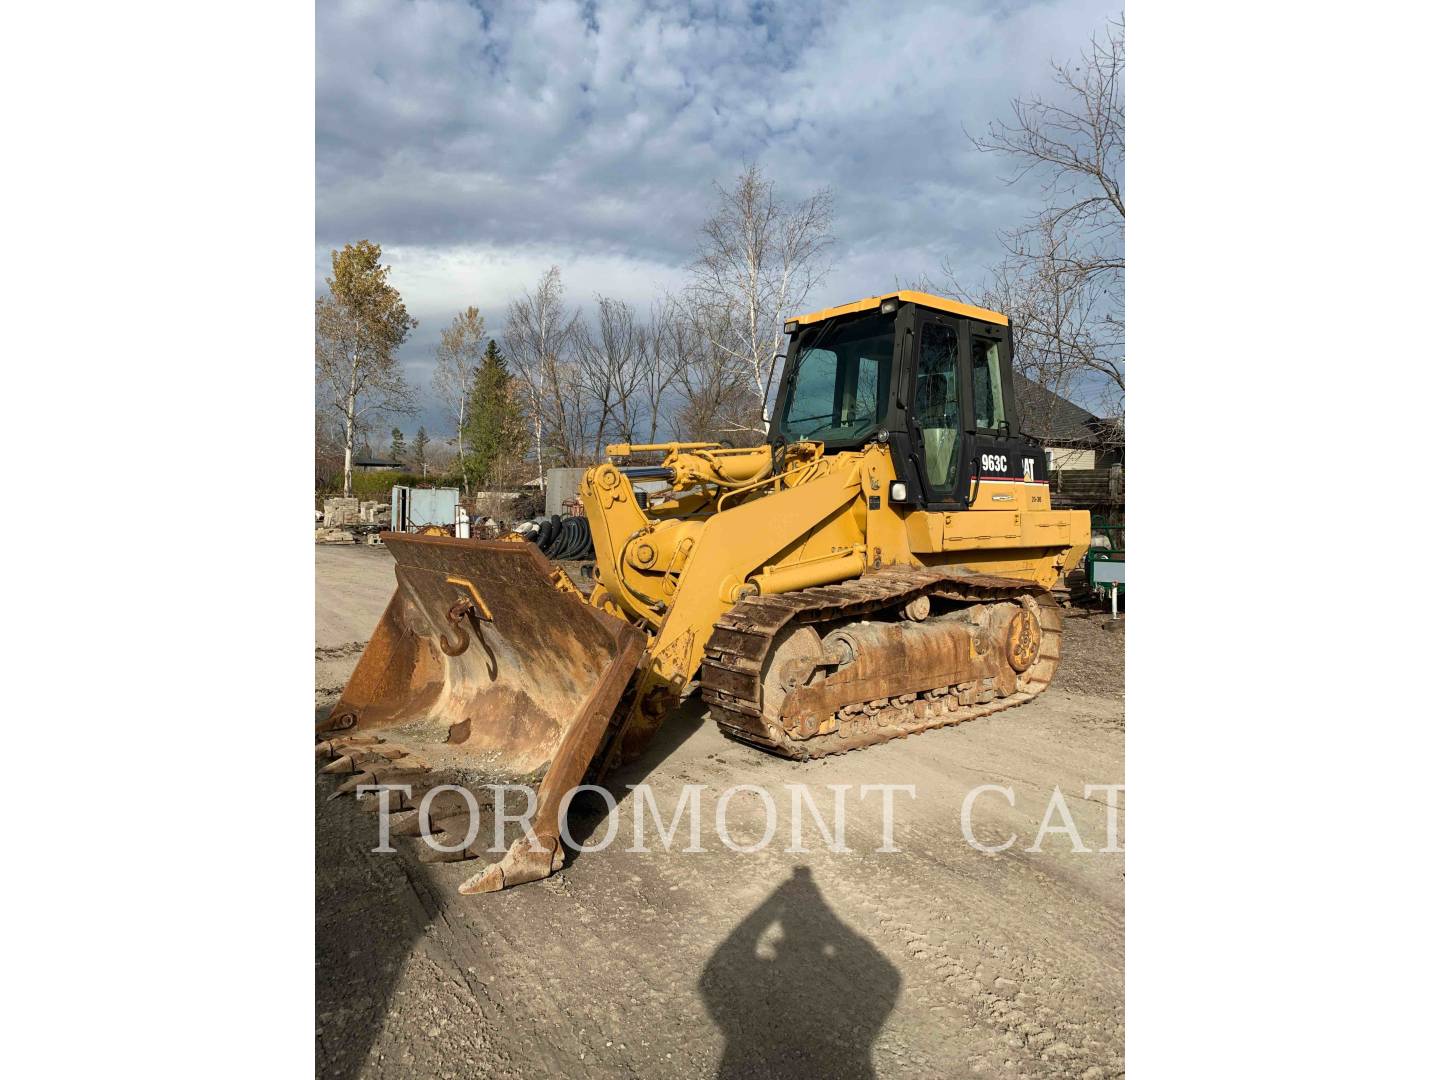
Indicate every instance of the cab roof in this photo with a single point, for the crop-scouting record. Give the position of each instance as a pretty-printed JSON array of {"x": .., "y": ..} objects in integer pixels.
[{"x": 907, "y": 296}]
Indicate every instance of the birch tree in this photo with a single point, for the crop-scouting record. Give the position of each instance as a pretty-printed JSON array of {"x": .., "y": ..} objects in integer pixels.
[
  {"x": 457, "y": 359},
  {"x": 539, "y": 335},
  {"x": 758, "y": 261},
  {"x": 358, "y": 327}
]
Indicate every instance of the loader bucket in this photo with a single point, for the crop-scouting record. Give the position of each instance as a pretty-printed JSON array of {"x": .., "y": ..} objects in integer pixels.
[{"x": 486, "y": 668}]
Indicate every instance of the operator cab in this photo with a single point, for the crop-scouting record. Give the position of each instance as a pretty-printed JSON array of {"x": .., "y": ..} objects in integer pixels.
[{"x": 928, "y": 376}]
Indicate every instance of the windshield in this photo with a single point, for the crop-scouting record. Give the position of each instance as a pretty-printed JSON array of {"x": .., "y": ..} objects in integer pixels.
[{"x": 841, "y": 381}]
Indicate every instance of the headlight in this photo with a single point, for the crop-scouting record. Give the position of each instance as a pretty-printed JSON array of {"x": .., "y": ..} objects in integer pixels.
[{"x": 898, "y": 494}]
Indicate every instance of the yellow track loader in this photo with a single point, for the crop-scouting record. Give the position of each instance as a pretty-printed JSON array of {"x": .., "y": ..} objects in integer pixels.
[{"x": 879, "y": 567}]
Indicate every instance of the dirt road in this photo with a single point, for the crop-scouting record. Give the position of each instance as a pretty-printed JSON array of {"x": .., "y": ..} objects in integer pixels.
[{"x": 935, "y": 960}]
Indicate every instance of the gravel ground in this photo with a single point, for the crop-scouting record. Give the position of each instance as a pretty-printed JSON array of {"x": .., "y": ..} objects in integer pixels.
[
  {"x": 936, "y": 960},
  {"x": 1092, "y": 654}
]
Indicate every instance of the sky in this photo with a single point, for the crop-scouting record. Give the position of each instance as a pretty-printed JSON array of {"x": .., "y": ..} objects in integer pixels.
[{"x": 480, "y": 143}]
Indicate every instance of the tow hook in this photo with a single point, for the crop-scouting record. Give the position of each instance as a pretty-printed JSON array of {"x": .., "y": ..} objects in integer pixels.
[{"x": 456, "y": 616}]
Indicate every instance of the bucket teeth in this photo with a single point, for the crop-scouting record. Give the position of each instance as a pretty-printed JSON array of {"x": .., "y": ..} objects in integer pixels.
[
  {"x": 447, "y": 810},
  {"x": 367, "y": 758},
  {"x": 341, "y": 744},
  {"x": 381, "y": 772},
  {"x": 406, "y": 825},
  {"x": 503, "y": 707},
  {"x": 356, "y": 740},
  {"x": 450, "y": 822},
  {"x": 491, "y": 879},
  {"x": 352, "y": 784},
  {"x": 372, "y": 801},
  {"x": 403, "y": 821},
  {"x": 449, "y": 830},
  {"x": 520, "y": 864}
]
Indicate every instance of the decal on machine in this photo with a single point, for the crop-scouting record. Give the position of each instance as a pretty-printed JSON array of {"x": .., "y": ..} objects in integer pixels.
[{"x": 996, "y": 469}]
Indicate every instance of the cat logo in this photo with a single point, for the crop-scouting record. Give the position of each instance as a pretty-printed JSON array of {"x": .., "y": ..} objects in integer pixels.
[{"x": 1029, "y": 466}]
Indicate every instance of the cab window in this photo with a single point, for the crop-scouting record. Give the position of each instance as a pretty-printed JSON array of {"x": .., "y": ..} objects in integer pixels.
[
  {"x": 842, "y": 381},
  {"x": 985, "y": 382}
]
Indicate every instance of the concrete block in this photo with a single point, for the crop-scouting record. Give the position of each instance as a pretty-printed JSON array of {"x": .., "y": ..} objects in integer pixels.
[{"x": 341, "y": 511}]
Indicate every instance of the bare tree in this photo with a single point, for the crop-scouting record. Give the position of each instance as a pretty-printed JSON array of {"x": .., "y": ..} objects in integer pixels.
[
  {"x": 358, "y": 327},
  {"x": 1064, "y": 272},
  {"x": 1055, "y": 315},
  {"x": 668, "y": 348},
  {"x": 759, "y": 258},
  {"x": 627, "y": 369},
  {"x": 329, "y": 448},
  {"x": 712, "y": 403},
  {"x": 457, "y": 358},
  {"x": 610, "y": 361},
  {"x": 1076, "y": 145},
  {"x": 539, "y": 338}
]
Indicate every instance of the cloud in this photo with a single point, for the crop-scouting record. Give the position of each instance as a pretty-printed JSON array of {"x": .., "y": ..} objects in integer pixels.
[{"x": 480, "y": 143}]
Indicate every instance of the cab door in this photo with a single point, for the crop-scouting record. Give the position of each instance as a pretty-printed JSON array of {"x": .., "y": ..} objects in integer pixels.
[
  {"x": 936, "y": 418},
  {"x": 988, "y": 446}
]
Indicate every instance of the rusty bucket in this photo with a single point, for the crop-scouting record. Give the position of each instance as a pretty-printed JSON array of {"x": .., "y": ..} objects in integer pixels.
[{"x": 486, "y": 667}]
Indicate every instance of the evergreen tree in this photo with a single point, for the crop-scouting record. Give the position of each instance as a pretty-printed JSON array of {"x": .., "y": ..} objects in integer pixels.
[
  {"x": 422, "y": 440},
  {"x": 494, "y": 427},
  {"x": 398, "y": 449}
]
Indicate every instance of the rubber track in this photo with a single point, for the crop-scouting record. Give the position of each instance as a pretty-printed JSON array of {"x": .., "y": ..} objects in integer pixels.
[{"x": 730, "y": 676}]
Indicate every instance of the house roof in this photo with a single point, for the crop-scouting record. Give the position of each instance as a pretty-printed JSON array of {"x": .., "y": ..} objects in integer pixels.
[{"x": 1052, "y": 418}]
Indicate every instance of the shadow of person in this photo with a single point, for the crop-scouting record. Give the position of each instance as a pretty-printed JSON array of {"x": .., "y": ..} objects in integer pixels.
[{"x": 796, "y": 992}]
